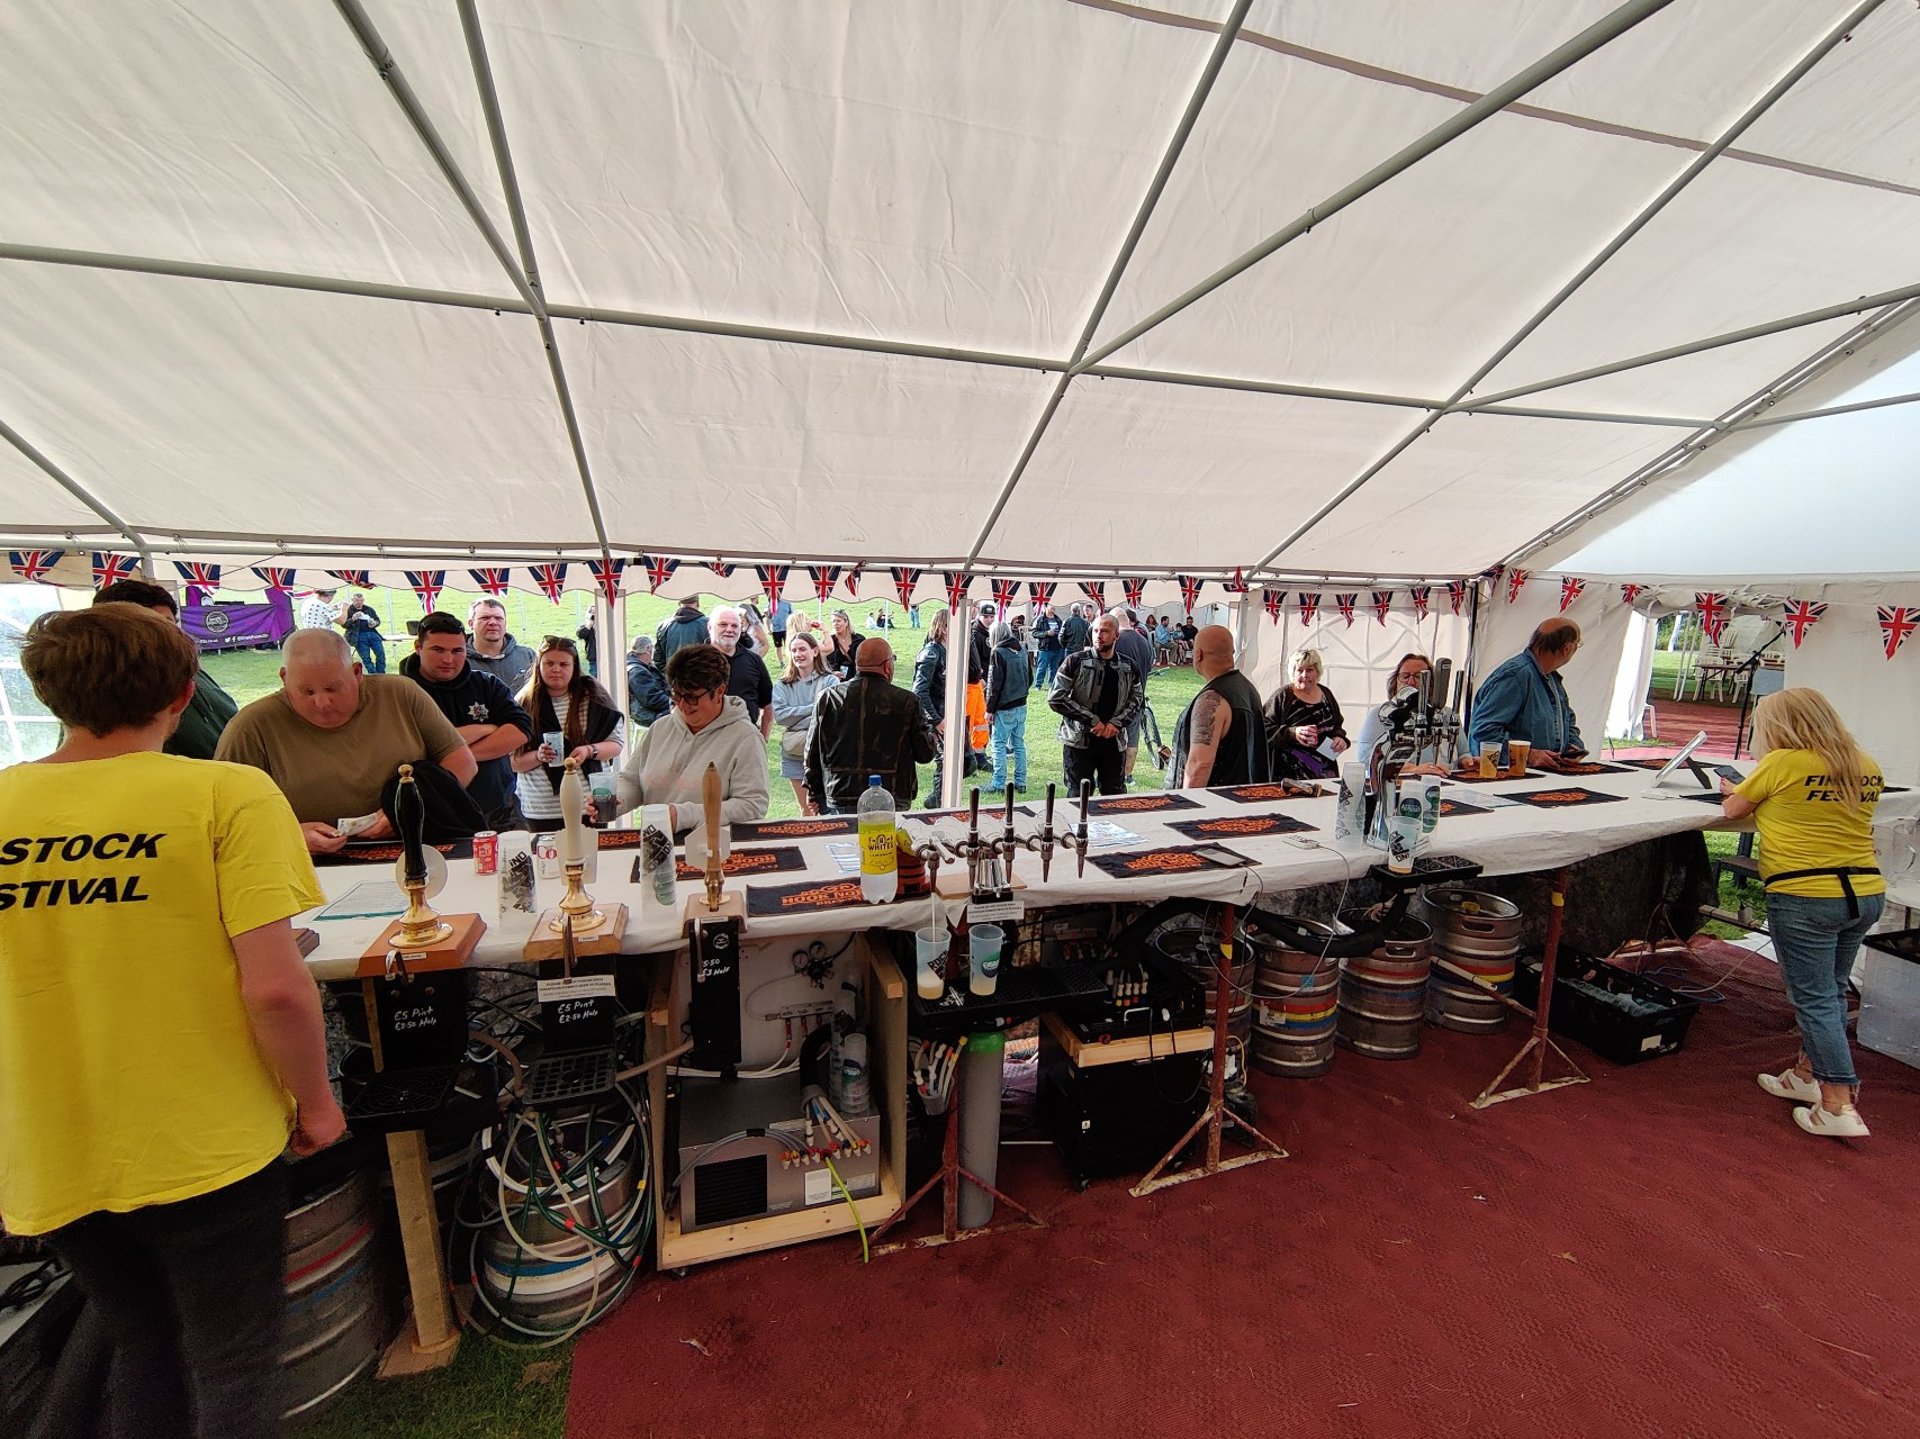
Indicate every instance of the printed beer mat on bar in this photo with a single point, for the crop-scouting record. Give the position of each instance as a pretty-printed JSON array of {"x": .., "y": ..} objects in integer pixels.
[
  {"x": 619, "y": 839},
  {"x": 764, "y": 900},
  {"x": 1140, "y": 803},
  {"x": 1472, "y": 776},
  {"x": 1246, "y": 826},
  {"x": 1565, "y": 797},
  {"x": 1269, "y": 793},
  {"x": 387, "y": 851},
  {"x": 803, "y": 828},
  {"x": 997, "y": 813},
  {"x": 1172, "y": 860},
  {"x": 1592, "y": 766},
  {"x": 778, "y": 859}
]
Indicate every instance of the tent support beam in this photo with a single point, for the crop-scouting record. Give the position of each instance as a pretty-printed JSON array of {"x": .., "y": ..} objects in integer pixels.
[
  {"x": 1586, "y": 272},
  {"x": 79, "y": 492},
  {"x": 1203, "y": 87},
  {"x": 1594, "y": 37}
]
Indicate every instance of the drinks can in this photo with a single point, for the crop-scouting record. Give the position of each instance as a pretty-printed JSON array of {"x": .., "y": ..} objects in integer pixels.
[{"x": 486, "y": 851}]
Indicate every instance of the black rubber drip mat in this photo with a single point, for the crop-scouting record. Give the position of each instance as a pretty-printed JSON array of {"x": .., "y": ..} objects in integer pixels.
[
  {"x": 397, "y": 1094},
  {"x": 567, "y": 1078}
]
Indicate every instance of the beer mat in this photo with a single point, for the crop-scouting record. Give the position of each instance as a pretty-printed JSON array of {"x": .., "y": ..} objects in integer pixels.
[
  {"x": 1712, "y": 797},
  {"x": 803, "y": 828},
  {"x": 618, "y": 839},
  {"x": 1140, "y": 803},
  {"x": 1565, "y": 797},
  {"x": 1246, "y": 826},
  {"x": 778, "y": 859},
  {"x": 1463, "y": 776},
  {"x": 1449, "y": 807},
  {"x": 1654, "y": 763},
  {"x": 386, "y": 851},
  {"x": 1592, "y": 766},
  {"x": 1268, "y": 793},
  {"x": 1184, "y": 859},
  {"x": 997, "y": 813},
  {"x": 764, "y": 900}
]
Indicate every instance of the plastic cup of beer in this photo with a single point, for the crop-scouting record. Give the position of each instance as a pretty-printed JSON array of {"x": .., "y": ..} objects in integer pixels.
[
  {"x": 929, "y": 945},
  {"x": 1519, "y": 749},
  {"x": 1490, "y": 762},
  {"x": 983, "y": 948}
]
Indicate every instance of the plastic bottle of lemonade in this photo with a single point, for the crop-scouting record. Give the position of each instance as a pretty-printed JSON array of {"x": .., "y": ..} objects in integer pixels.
[{"x": 879, "y": 855}]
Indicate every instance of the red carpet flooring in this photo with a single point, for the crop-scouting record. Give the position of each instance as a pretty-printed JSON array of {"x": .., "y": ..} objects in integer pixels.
[
  {"x": 1679, "y": 721},
  {"x": 1660, "y": 1252}
]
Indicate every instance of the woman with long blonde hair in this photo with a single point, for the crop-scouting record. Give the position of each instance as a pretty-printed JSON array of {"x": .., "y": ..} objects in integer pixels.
[{"x": 1812, "y": 798}]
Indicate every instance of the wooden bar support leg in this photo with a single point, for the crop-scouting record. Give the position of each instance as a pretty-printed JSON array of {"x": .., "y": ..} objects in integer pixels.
[
  {"x": 1538, "y": 1043},
  {"x": 430, "y": 1339},
  {"x": 1216, "y": 1116}
]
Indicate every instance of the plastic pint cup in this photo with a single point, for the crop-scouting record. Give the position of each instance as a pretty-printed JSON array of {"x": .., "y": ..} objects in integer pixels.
[
  {"x": 928, "y": 946},
  {"x": 1519, "y": 750},
  {"x": 1490, "y": 762},
  {"x": 983, "y": 946}
]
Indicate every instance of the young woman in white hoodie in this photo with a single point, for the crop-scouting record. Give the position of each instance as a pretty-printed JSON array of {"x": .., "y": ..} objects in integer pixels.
[{"x": 705, "y": 726}]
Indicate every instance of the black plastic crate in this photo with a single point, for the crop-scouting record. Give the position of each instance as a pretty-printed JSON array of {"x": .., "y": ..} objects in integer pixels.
[
  {"x": 1900, "y": 943},
  {"x": 1656, "y": 1025}
]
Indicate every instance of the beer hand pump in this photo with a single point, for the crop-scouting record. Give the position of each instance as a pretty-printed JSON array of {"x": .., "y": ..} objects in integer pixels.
[
  {"x": 577, "y": 911},
  {"x": 420, "y": 925}
]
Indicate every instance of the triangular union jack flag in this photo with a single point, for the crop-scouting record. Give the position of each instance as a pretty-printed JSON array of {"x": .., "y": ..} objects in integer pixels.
[
  {"x": 904, "y": 580},
  {"x": 110, "y": 568},
  {"x": 200, "y": 576},
  {"x": 1189, "y": 591},
  {"x": 825, "y": 577},
  {"x": 853, "y": 580},
  {"x": 1134, "y": 589},
  {"x": 1570, "y": 589},
  {"x": 359, "y": 579},
  {"x": 427, "y": 584},
  {"x": 1896, "y": 623},
  {"x": 606, "y": 574},
  {"x": 1799, "y": 616},
  {"x": 1096, "y": 590},
  {"x": 277, "y": 577},
  {"x": 956, "y": 582},
  {"x": 1422, "y": 597},
  {"x": 1630, "y": 593},
  {"x": 773, "y": 579},
  {"x": 1006, "y": 594},
  {"x": 1382, "y": 602},
  {"x": 1457, "y": 595},
  {"x": 1515, "y": 579},
  {"x": 1346, "y": 604},
  {"x": 1309, "y": 607},
  {"x": 1713, "y": 616},
  {"x": 659, "y": 570},
  {"x": 720, "y": 567},
  {"x": 1273, "y": 602},
  {"x": 1041, "y": 594},
  {"x": 1238, "y": 584},
  {"x": 492, "y": 579},
  {"x": 551, "y": 579},
  {"x": 32, "y": 564}
]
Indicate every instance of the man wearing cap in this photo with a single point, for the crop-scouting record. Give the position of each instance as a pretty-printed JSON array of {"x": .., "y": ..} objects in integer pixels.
[
  {"x": 481, "y": 708},
  {"x": 865, "y": 727}
]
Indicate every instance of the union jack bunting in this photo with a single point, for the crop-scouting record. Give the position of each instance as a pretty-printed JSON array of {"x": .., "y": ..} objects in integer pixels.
[
  {"x": 773, "y": 579},
  {"x": 825, "y": 577},
  {"x": 551, "y": 579},
  {"x": 1096, "y": 590},
  {"x": 956, "y": 582},
  {"x": 427, "y": 584},
  {"x": 1570, "y": 589},
  {"x": 1134, "y": 589},
  {"x": 1630, "y": 593},
  {"x": 1801, "y": 616},
  {"x": 1457, "y": 595},
  {"x": 1238, "y": 584},
  {"x": 492, "y": 579},
  {"x": 1189, "y": 591},
  {"x": 203, "y": 576},
  {"x": 277, "y": 577},
  {"x": 1040, "y": 594},
  {"x": 853, "y": 580},
  {"x": 606, "y": 574},
  {"x": 32, "y": 564},
  {"x": 1273, "y": 602},
  {"x": 1006, "y": 594},
  {"x": 904, "y": 579},
  {"x": 1346, "y": 604},
  {"x": 1896, "y": 623},
  {"x": 1309, "y": 607},
  {"x": 720, "y": 567},
  {"x": 1382, "y": 602},
  {"x": 1422, "y": 597},
  {"x": 359, "y": 579},
  {"x": 1515, "y": 579},
  {"x": 110, "y": 569},
  {"x": 1713, "y": 616},
  {"x": 659, "y": 570}
]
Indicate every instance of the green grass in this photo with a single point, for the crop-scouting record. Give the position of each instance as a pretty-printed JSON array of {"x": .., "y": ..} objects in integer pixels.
[{"x": 488, "y": 1392}]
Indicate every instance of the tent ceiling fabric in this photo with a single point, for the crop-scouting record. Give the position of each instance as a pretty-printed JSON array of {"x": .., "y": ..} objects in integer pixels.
[{"x": 816, "y": 272}]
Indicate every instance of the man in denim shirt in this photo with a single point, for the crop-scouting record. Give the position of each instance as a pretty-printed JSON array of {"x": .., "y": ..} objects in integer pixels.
[{"x": 1524, "y": 699}]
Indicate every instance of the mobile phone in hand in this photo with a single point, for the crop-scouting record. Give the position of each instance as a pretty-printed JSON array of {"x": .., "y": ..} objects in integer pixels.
[{"x": 1729, "y": 773}]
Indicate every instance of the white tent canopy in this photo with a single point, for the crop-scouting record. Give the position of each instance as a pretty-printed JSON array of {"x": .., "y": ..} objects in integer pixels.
[{"x": 1323, "y": 288}]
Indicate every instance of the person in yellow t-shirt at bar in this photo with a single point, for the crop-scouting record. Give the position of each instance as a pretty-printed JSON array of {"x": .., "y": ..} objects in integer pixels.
[
  {"x": 1812, "y": 798},
  {"x": 160, "y": 1037}
]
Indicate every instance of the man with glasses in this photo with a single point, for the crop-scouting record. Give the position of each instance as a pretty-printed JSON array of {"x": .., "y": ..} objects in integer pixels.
[
  {"x": 1524, "y": 699},
  {"x": 747, "y": 677},
  {"x": 705, "y": 726},
  {"x": 479, "y": 707}
]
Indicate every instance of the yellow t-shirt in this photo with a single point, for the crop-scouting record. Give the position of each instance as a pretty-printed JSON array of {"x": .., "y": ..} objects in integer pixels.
[
  {"x": 1803, "y": 824},
  {"x": 128, "y": 1072}
]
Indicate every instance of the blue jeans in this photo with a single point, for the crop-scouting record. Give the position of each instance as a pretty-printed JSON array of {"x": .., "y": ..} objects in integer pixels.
[
  {"x": 1046, "y": 664},
  {"x": 371, "y": 648},
  {"x": 1817, "y": 940},
  {"x": 1009, "y": 732}
]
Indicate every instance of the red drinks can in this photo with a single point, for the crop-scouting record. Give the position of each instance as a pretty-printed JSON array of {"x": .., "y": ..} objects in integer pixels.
[{"x": 486, "y": 851}]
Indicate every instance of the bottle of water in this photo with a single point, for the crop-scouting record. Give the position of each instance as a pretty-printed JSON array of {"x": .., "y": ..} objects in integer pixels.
[{"x": 879, "y": 852}]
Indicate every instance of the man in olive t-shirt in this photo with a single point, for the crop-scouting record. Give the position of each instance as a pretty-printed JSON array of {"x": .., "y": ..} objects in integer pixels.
[{"x": 332, "y": 737}]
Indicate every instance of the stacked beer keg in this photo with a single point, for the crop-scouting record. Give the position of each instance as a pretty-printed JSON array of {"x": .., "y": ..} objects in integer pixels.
[
  {"x": 337, "y": 1312},
  {"x": 1294, "y": 1006},
  {"x": 1383, "y": 994},
  {"x": 1479, "y": 935}
]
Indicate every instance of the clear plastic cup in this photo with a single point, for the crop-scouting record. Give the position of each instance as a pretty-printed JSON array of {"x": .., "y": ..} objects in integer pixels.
[
  {"x": 929, "y": 945},
  {"x": 1518, "y": 750},
  {"x": 983, "y": 948},
  {"x": 1490, "y": 762}
]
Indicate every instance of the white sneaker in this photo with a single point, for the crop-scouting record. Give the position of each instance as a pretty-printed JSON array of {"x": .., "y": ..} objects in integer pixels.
[
  {"x": 1789, "y": 1085},
  {"x": 1847, "y": 1124}
]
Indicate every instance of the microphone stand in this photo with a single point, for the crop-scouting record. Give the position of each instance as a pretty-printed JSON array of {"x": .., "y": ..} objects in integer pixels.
[{"x": 1748, "y": 668}]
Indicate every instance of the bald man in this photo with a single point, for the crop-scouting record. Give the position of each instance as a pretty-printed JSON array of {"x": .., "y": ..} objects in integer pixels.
[
  {"x": 866, "y": 726},
  {"x": 1221, "y": 738}
]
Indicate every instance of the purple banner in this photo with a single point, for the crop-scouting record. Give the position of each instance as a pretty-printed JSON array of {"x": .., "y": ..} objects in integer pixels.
[{"x": 229, "y": 625}]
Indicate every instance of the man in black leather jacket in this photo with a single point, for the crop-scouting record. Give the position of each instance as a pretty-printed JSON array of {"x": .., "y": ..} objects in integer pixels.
[{"x": 864, "y": 727}]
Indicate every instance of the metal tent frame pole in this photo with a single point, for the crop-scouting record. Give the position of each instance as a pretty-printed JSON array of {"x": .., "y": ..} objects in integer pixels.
[{"x": 78, "y": 491}]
